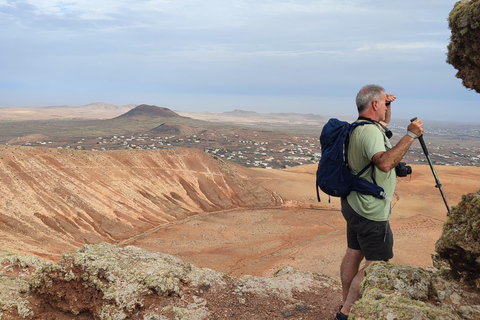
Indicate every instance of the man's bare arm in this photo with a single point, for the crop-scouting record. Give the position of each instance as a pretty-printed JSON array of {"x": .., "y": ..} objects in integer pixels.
[
  {"x": 388, "y": 115},
  {"x": 388, "y": 160},
  {"x": 389, "y": 98}
]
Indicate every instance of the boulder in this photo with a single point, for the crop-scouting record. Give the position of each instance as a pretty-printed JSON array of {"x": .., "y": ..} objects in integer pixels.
[
  {"x": 398, "y": 292},
  {"x": 464, "y": 47},
  {"x": 15, "y": 271},
  {"x": 105, "y": 281},
  {"x": 459, "y": 244}
]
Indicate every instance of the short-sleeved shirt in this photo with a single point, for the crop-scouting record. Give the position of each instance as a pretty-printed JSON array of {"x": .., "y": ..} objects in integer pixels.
[{"x": 365, "y": 142}]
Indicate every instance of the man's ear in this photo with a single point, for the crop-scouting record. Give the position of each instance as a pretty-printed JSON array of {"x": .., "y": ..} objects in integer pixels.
[{"x": 374, "y": 105}]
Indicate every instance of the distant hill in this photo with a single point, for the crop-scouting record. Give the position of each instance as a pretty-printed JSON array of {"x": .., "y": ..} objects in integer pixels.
[
  {"x": 238, "y": 112},
  {"x": 309, "y": 116},
  {"x": 149, "y": 110},
  {"x": 177, "y": 129}
]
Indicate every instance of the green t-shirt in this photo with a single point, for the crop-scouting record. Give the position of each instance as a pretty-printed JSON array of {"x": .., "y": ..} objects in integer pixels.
[{"x": 365, "y": 142}]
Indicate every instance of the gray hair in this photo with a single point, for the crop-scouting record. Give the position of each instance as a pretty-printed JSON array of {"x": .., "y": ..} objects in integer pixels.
[{"x": 367, "y": 95}]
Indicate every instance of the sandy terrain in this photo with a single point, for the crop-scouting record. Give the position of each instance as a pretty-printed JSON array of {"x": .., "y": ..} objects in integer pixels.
[{"x": 306, "y": 234}]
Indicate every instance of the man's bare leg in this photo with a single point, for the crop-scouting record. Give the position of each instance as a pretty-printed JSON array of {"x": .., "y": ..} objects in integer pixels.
[
  {"x": 354, "y": 292},
  {"x": 349, "y": 269}
]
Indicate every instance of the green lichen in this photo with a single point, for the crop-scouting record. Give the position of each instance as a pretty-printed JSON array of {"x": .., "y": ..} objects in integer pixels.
[
  {"x": 120, "y": 277},
  {"x": 12, "y": 260},
  {"x": 459, "y": 244},
  {"x": 398, "y": 307},
  {"x": 191, "y": 314},
  {"x": 463, "y": 50},
  {"x": 154, "y": 317},
  {"x": 463, "y": 224},
  {"x": 14, "y": 290},
  {"x": 398, "y": 292},
  {"x": 45, "y": 275}
]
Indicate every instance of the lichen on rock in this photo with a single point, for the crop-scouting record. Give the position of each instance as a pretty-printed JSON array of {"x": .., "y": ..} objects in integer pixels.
[
  {"x": 459, "y": 244},
  {"x": 464, "y": 47},
  {"x": 392, "y": 291},
  {"x": 121, "y": 278},
  {"x": 15, "y": 270},
  {"x": 105, "y": 281}
]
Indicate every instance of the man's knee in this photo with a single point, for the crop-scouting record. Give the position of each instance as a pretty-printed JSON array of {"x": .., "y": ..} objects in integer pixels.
[{"x": 354, "y": 255}]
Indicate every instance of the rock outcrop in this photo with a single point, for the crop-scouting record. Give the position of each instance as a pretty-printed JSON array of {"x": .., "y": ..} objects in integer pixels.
[
  {"x": 105, "y": 281},
  {"x": 404, "y": 292},
  {"x": 460, "y": 241},
  {"x": 464, "y": 47}
]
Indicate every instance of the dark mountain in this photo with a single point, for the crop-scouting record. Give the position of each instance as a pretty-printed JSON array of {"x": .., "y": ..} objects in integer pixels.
[{"x": 149, "y": 110}]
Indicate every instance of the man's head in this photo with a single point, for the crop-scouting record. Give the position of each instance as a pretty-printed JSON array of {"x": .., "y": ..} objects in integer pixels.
[{"x": 371, "y": 101}]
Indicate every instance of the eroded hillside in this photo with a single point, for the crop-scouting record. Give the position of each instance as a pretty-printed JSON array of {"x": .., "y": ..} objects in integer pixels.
[{"x": 55, "y": 201}]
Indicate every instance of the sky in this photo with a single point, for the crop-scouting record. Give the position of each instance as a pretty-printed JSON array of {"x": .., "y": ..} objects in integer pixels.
[{"x": 267, "y": 56}]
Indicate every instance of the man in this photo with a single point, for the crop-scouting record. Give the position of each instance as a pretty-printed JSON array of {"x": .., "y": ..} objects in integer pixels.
[{"x": 368, "y": 232}]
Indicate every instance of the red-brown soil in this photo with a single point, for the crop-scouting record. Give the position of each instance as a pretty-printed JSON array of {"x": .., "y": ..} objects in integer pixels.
[
  {"x": 203, "y": 210},
  {"x": 305, "y": 234}
]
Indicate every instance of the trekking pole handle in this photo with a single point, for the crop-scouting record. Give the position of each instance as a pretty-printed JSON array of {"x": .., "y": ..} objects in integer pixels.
[{"x": 420, "y": 138}]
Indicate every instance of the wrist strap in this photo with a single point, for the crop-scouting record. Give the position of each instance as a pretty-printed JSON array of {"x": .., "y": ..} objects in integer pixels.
[{"x": 411, "y": 134}]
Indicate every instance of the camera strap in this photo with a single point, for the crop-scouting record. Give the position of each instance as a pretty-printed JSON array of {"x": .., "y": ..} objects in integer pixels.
[{"x": 388, "y": 132}]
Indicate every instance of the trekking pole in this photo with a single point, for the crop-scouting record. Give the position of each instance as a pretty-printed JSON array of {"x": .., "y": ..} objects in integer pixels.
[{"x": 438, "y": 184}]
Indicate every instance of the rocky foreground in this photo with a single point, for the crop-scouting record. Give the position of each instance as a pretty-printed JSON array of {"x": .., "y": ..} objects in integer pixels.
[{"x": 105, "y": 281}]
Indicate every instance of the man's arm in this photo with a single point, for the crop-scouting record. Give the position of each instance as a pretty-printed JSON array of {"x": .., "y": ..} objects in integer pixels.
[
  {"x": 388, "y": 160},
  {"x": 388, "y": 115},
  {"x": 389, "y": 98}
]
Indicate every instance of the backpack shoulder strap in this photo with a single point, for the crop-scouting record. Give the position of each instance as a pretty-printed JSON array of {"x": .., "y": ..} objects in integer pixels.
[{"x": 347, "y": 142}]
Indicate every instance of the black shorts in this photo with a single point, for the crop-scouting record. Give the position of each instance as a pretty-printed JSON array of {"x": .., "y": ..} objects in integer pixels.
[{"x": 373, "y": 238}]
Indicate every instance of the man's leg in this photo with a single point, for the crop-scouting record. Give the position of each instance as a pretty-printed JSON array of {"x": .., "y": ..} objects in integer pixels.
[
  {"x": 349, "y": 269},
  {"x": 354, "y": 292}
]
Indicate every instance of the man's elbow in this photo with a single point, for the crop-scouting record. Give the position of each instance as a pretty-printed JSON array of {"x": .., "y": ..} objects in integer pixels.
[
  {"x": 382, "y": 162},
  {"x": 385, "y": 168}
]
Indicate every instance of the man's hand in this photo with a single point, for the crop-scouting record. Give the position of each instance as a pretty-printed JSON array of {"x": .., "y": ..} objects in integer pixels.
[
  {"x": 390, "y": 97},
  {"x": 416, "y": 126}
]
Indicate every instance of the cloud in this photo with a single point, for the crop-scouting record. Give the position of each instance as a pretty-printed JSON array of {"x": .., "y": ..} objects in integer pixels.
[{"x": 403, "y": 46}]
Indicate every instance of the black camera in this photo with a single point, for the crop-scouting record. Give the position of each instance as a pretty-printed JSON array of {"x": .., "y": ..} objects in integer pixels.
[{"x": 403, "y": 170}]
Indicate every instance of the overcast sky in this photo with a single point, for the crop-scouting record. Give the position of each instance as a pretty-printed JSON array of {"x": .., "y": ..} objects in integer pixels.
[{"x": 220, "y": 55}]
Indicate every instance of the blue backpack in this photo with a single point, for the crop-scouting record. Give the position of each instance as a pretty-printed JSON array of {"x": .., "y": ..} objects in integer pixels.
[{"x": 333, "y": 174}]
